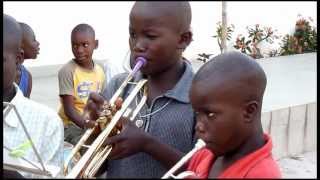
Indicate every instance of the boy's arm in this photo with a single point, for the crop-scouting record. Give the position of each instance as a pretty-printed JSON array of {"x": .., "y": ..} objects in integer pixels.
[
  {"x": 70, "y": 110},
  {"x": 159, "y": 151},
  {"x": 164, "y": 153},
  {"x": 66, "y": 93},
  {"x": 132, "y": 140}
]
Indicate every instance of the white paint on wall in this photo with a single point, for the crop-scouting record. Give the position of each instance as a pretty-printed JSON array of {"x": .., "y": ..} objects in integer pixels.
[{"x": 53, "y": 22}]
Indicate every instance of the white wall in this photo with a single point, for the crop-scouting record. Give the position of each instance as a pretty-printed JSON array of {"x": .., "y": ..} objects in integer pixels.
[{"x": 53, "y": 22}]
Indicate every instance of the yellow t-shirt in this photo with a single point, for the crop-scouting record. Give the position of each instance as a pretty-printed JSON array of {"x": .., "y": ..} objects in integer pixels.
[{"x": 79, "y": 82}]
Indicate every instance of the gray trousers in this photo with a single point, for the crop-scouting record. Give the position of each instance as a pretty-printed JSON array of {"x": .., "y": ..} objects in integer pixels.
[{"x": 73, "y": 133}]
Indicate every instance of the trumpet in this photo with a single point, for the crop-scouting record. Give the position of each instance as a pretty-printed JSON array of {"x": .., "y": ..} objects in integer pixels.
[
  {"x": 200, "y": 144},
  {"x": 96, "y": 153}
]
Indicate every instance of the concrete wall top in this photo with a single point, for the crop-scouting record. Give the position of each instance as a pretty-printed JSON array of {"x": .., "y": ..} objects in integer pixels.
[{"x": 291, "y": 80}]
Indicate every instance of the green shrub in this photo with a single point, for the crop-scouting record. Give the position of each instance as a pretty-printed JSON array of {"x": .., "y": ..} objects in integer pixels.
[
  {"x": 303, "y": 40},
  {"x": 256, "y": 36}
]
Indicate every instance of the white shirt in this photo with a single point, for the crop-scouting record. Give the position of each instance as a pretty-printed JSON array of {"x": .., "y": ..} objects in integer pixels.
[{"x": 44, "y": 126}]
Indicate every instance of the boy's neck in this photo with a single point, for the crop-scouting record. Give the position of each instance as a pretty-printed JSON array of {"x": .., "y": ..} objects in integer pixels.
[
  {"x": 8, "y": 94},
  {"x": 254, "y": 142},
  {"x": 168, "y": 79},
  {"x": 86, "y": 65},
  {"x": 160, "y": 84},
  {"x": 223, "y": 162}
]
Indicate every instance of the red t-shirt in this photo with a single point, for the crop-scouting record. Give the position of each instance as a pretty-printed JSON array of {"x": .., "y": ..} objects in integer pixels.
[{"x": 258, "y": 164}]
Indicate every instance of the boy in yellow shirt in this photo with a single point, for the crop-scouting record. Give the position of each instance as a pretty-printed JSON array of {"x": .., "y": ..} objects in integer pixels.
[{"x": 77, "y": 79}]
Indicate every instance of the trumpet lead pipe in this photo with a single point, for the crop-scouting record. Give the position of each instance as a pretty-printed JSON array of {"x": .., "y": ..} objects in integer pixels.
[
  {"x": 138, "y": 108},
  {"x": 140, "y": 63},
  {"x": 200, "y": 143}
]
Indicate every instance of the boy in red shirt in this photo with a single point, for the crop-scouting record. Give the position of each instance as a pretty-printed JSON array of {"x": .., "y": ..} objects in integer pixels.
[{"x": 226, "y": 95}]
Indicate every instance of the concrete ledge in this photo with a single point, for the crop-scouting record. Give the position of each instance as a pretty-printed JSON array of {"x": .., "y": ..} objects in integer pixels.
[
  {"x": 279, "y": 132},
  {"x": 44, "y": 71},
  {"x": 296, "y": 126},
  {"x": 310, "y": 131},
  {"x": 49, "y": 70},
  {"x": 293, "y": 129}
]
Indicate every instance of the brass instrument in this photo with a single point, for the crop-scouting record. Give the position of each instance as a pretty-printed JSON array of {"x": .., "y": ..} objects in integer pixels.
[
  {"x": 96, "y": 153},
  {"x": 200, "y": 144}
]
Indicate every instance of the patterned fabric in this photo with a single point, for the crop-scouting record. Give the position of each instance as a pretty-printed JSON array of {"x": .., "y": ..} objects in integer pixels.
[
  {"x": 44, "y": 126},
  {"x": 171, "y": 121},
  {"x": 79, "y": 82},
  {"x": 24, "y": 79}
]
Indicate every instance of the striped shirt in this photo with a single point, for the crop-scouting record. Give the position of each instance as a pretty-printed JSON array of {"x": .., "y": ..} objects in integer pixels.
[
  {"x": 170, "y": 119},
  {"x": 44, "y": 126}
]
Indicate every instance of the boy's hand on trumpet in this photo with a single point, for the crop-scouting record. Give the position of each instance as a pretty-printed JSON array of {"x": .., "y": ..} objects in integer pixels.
[
  {"x": 95, "y": 107},
  {"x": 129, "y": 141}
]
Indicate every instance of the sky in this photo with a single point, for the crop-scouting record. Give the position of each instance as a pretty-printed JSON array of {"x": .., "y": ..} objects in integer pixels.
[{"x": 52, "y": 23}]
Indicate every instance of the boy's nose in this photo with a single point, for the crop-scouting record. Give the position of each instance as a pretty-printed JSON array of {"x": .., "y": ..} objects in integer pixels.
[
  {"x": 199, "y": 127},
  {"x": 79, "y": 50},
  {"x": 139, "y": 47}
]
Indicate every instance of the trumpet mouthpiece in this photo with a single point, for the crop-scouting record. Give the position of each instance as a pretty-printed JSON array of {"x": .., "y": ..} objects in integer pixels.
[
  {"x": 140, "y": 63},
  {"x": 200, "y": 143}
]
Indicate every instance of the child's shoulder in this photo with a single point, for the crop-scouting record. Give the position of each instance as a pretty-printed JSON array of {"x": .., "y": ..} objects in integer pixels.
[
  {"x": 68, "y": 67},
  {"x": 40, "y": 110},
  {"x": 266, "y": 168},
  {"x": 98, "y": 63}
]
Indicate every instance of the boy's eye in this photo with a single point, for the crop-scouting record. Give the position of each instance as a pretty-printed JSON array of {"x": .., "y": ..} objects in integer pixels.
[
  {"x": 211, "y": 115},
  {"x": 151, "y": 36},
  {"x": 132, "y": 35},
  {"x": 85, "y": 45}
]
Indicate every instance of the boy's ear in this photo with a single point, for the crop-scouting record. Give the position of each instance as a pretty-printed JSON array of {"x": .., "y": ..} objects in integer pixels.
[
  {"x": 97, "y": 44},
  {"x": 185, "y": 40},
  {"x": 250, "y": 111},
  {"x": 20, "y": 56}
]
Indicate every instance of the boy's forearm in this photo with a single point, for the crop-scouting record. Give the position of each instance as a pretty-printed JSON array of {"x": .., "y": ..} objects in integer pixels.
[
  {"x": 75, "y": 117},
  {"x": 164, "y": 153}
]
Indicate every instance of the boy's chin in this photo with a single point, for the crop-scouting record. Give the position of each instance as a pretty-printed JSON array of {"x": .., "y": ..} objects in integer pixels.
[
  {"x": 212, "y": 149},
  {"x": 81, "y": 60}
]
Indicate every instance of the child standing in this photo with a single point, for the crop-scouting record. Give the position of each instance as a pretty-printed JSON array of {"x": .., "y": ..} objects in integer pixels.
[
  {"x": 30, "y": 47},
  {"x": 77, "y": 79},
  {"x": 227, "y": 94},
  {"x": 159, "y": 32}
]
